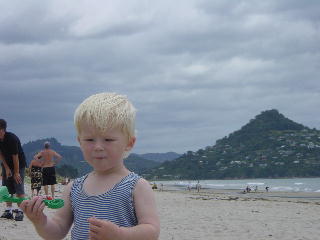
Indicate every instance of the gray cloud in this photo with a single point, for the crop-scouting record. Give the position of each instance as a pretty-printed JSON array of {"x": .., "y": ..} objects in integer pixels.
[{"x": 196, "y": 70}]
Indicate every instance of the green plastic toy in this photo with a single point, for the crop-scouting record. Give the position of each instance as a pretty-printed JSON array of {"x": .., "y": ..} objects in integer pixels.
[{"x": 5, "y": 197}]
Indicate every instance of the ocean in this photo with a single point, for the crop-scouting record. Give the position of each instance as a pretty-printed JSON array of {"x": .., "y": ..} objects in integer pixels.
[
  {"x": 275, "y": 185},
  {"x": 280, "y": 185}
]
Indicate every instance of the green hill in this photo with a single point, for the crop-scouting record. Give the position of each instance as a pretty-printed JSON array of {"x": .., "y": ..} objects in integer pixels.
[
  {"x": 269, "y": 146},
  {"x": 139, "y": 165},
  {"x": 160, "y": 157}
]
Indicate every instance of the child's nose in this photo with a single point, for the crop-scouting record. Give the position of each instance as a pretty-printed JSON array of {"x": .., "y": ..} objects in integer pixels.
[{"x": 98, "y": 145}]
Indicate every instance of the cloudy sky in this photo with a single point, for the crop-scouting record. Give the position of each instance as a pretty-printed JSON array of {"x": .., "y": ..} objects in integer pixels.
[{"x": 196, "y": 70}]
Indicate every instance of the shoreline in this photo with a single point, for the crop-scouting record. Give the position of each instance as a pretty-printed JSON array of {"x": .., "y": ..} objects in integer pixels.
[
  {"x": 292, "y": 185},
  {"x": 283, "y": 197},
  {"x": 240, "y": 193}
]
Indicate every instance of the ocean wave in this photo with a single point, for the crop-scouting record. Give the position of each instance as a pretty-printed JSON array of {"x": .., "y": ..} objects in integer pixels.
[
  {"x": 282, "y": 188},
  {"x": 256, "y": 183},
  {"x": 216, "y": 185}
]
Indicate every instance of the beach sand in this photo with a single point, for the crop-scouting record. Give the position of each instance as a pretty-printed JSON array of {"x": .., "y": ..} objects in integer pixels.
[{"x": 223, "y": 215}]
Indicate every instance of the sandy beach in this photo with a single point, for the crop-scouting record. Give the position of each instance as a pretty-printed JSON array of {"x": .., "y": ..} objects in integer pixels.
[{"x": 222, "y": 215}]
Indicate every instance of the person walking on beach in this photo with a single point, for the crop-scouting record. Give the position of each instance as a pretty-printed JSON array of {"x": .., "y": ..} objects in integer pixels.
[
  {"x": 161, "y": 187},
  {"x": 13, "y": 164},
  {"x": 50, "y": 159},
  {"x": 198, "y": 186},
  {"x": 110, "y": 202},
  {"x": 189, "y": 186},
  {"x": 35, "y": 173}
]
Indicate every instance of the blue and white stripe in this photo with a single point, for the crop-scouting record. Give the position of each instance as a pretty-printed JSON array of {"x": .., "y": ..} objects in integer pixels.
[{"x": 116, "y": 205}]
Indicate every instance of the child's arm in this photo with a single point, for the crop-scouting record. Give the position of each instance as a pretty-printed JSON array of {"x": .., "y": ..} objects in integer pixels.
[
  {"x": 55, "y": 227},
  {"x": 148, "y": 227}
]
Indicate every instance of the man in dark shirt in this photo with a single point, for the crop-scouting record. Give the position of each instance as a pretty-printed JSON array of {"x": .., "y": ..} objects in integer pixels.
[{"x": 13, "y": 163}]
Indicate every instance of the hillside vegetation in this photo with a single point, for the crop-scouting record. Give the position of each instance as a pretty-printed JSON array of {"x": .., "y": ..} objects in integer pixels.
[{"x": 269, "y": 146}]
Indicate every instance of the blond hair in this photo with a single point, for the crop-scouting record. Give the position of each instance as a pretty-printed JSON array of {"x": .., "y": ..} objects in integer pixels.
[{"x": 105, "y": 111}]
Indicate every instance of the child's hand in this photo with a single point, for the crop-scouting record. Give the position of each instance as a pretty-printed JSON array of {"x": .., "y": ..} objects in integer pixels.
[
  {"x": 34, "y": 209},
  {"x": 103, "y": 230}
]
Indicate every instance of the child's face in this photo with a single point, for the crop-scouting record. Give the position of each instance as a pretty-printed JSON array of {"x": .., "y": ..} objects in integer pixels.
[{"x": 104, "y": 151}]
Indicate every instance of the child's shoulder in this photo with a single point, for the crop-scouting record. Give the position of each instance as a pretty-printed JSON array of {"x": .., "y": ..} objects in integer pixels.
[
  {"x": 141, "y": 180},
  {"x": 131, "y": 179},
  {"x": 143, "y": 183},
  {"x": 143, "y": 189},
  {"x": 79, "y": 180}
]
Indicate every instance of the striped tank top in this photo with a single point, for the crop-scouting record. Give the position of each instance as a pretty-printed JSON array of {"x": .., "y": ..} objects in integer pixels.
[{"x": 115, "y": 205}]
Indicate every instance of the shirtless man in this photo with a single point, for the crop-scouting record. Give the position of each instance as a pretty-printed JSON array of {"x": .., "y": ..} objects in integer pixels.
[{"x": 50, "y": 159}]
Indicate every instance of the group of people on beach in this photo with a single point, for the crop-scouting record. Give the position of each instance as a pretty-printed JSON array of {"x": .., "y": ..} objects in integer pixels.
[
  {"x": 13, "y": 164},
  {"x": 249, "y": 189},
  {"x": 108, "y": 203},
  {"x": 197, "y": 186}
]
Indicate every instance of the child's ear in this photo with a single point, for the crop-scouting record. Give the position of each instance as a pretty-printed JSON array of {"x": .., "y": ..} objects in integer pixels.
[{"x": 131, "y": 143}]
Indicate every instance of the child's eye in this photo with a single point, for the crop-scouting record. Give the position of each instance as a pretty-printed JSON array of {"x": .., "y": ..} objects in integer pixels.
[
  {"x": 88, "y": 139},
  {"x": 109, "y": 140}
]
